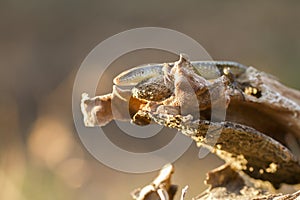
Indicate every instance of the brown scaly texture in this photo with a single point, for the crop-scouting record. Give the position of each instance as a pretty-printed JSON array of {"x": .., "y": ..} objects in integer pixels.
[{"x": 260, "y": 123}]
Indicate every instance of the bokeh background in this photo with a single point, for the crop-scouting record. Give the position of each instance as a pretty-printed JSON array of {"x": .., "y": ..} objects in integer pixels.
[{"x": 42, "y": 44}]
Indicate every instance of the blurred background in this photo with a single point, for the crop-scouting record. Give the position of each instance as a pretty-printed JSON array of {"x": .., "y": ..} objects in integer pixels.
[{"x": 43, "y": 43}]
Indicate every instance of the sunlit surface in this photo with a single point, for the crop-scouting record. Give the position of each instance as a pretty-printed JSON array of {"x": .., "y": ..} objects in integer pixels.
[{"x": 42, "y": 45}]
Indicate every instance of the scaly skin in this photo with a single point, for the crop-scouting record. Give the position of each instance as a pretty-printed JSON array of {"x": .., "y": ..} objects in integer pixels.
[{"x": 206, "y": 69}]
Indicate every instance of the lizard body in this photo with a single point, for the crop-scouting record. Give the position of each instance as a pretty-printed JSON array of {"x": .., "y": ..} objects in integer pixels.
[
  {"x": 137, "y": 74},
  {"x": 207, "y": 69}
]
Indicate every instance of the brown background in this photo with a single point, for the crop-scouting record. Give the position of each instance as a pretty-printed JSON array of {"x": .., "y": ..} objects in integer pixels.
[{"x": 42, "y": 44}]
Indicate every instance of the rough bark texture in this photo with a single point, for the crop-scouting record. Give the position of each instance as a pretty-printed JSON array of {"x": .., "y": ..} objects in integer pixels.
[
  {"x": 258, "y": 155},
  {"x": 260, "y": 137}
]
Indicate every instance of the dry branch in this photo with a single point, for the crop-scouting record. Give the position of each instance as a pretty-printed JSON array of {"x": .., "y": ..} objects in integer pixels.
[{"x": 262, "y": 115}]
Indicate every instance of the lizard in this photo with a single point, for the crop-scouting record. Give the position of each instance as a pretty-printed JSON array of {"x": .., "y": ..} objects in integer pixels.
[
  {"x": 236, "y": 143},
  {"x": 207, "y": 69},
  {"x": 184, "y": 90},
  {"x": 257, "y": 148}
]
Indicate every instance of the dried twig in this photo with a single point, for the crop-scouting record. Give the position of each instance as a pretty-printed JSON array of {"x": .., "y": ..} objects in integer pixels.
[{"x": 262, "y": 115}]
